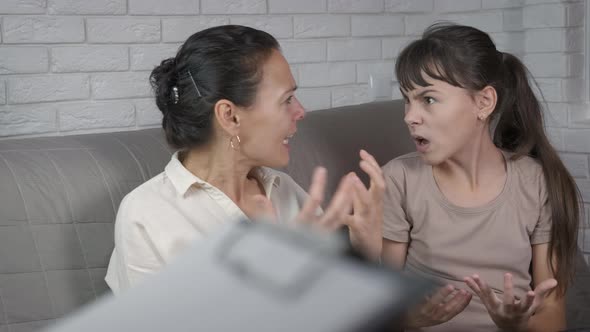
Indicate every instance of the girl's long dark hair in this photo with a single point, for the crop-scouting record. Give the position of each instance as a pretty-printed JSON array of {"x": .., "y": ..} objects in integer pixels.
[{"x": 466, "y": 57}]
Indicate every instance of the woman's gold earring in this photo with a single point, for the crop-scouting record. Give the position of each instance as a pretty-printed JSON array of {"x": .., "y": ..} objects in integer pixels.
[{"x": 237, "y": 145}]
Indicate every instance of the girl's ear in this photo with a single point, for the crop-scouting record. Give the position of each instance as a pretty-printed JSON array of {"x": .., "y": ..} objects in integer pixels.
[{"x": 485, "y": 101}]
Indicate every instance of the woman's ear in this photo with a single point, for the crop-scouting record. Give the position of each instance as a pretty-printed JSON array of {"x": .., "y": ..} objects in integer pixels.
[
  {"x": 486, "y": 100},
  {"x": 226, "y": 114}
]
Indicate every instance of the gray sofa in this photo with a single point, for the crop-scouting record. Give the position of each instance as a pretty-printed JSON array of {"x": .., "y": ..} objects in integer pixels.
[{"x": 59, "y": 197}]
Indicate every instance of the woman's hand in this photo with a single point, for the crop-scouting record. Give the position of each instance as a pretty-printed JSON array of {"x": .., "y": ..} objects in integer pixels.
[
  {"x": 438, "y": 308},
  {"x": 510, "y": 313},
  {"x": 353, "y": 205},
  {"x": 310, "y": 214},
  {"x": 336, "y": 212}
]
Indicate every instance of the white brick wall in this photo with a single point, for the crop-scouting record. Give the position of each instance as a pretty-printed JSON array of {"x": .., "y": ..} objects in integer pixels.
[
  {"x": 405, "y": 6},
  {"x": 22, "y": 7},
  {"x": 2, "y": 92},
  {"x": 554, "y": 51},
  {"x": 555, "y": 136},
  {"x": 554, "y": 40},
  {"x": 89, "y": 58},
  {"x": 574, "y": 89},
  {"x": 146, "y": 57},
  {"x": 315, "y": 98},
  {"x": 296, "y": 7},
  {"x": 304, "y": 51},
  {"x": 552, "y": 89},
  {"x": 349, "y": 95},
  {"x": 84, "y": 7},
  {"x": 310, "y": 26},
  {"x": 365, "y": 69},
  {"x": 354, "y": 49},
  {"x": 326, "y": 74},
  {"x": 509, "y": 42},
  {"x": 34, "y": 89},
  {"x": 42, "y": 29},
  {"x": 490, "y": 22},
  {"x": 584, "y": 185},
  {"x": 355, "y": 6},
  {"x": 391, "y": 47},
  {"x": 369, "y": 25},
  {"x": 555, "y": 114},
  {"x": 120, "y": 85},
  {"x": 577, "y": 140},
  {"x": 416, "y": 23},
  {"x": 278, "y": 26},
  {"x": 28, "y": 119},
  {"x": 123, "y": 30},
  {"x": 512, "y": 20},
  {"x": 577, "y": 164},
  {"x": 456, "y": 5},
  {"x": 545, "y": 16},
  {"x": 586, "y": 243},
  {"x": 159, "y": 7},
  {"x": 23, "y": 60},
  {"x": 233, "y": 6},
  {"x": 495, "y": 4},
  {"x": 537, "y": 64},
  {"x": 147, "y": 113},
  {"x": 179, "y": 29},
  {"x": 88, "y": 115}
]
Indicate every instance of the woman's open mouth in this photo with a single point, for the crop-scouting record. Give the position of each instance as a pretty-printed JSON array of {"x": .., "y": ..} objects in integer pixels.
[{"x": 422, "y": 143}]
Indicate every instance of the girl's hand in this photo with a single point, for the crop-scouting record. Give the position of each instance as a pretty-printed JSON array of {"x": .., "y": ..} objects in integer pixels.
[
  {"x": 510, "y": 312},
  {"x": 439, "y": 308},
  {"x": 366, "y": 221}
]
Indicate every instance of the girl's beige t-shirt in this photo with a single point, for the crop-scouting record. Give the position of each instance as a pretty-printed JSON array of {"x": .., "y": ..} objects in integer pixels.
[{"x": 447, "y": 242}]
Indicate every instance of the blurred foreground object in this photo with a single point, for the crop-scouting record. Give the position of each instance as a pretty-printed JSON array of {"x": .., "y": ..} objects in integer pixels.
[{"x": 259, "y": 277}]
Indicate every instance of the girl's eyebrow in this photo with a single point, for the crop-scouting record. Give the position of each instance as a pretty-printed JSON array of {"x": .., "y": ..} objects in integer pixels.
[{"x": 421, "y": 94}]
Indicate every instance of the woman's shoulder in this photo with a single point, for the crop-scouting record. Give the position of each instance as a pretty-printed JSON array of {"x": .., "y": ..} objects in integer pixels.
[{"x": 145, "y": 194}]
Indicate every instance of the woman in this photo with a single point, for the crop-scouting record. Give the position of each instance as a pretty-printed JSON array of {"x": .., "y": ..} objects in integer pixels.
[
  {"x": 229, "y": 108},
  {"x": 492, "y": 216}
]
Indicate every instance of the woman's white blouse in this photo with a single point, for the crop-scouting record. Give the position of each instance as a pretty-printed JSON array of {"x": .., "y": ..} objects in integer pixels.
[{"x": 161, "y": 217}]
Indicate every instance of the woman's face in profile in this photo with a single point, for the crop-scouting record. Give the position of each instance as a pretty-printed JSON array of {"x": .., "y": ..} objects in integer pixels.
[{"x": 268, "y": 125}]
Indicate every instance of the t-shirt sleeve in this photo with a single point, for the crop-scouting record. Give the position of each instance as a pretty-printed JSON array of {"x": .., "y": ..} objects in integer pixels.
[
  {"x": 396, "y": 227},
  {"x": 542, "y": 231}
]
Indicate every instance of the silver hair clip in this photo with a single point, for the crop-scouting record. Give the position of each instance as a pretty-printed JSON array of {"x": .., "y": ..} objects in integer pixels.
[
  {"x": 175, "y": 96},
  {"x": 194, "y": 83}
]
